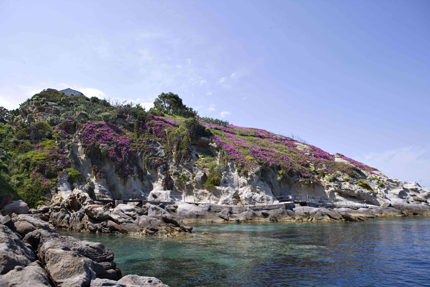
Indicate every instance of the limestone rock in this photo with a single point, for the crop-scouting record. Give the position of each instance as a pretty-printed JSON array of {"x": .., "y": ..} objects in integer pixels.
[
  {"x": 25, "y": 223},
  {"x": 13, "y": 252},
  {"x": 105, "y": 282},
  {"x": 247, "y": 215},
  {"x": 32, "y": 275},
  {"x": 134, "y": 280},
  {"x": 67, "y": 268},
  {"x": 17, "y": 207},
  {"x": 97, "y": 212}
]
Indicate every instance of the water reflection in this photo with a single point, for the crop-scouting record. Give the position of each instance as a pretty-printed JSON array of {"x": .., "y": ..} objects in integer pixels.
[{"x": 374, "y": 253}]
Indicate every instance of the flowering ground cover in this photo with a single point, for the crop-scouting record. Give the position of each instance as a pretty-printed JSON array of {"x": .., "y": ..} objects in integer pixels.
[
  {"x": 251, "y": 148},
  {"x": 248, "y": 148},
  {"x": 35, "y": 154}
]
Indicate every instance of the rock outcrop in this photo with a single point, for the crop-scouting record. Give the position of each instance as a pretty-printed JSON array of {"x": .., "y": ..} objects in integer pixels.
[
  {"x": 44, "y": 258},
  {"x": 79, "y": 213}
]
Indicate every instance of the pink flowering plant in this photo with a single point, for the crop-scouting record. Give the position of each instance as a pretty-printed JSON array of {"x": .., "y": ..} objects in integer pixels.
[{"x": 251, "y": 148}]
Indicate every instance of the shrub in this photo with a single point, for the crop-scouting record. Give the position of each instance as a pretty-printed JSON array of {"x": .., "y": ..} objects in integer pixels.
[
  {"x": 195, "y": 128},
  {"x": 214, "y": 121},
  {"x": 214, "y": 179},
  {"x": 182, "y": 177},
  {"x": 346, "y": 179},
  {"x": 74, "y": 175},
  {"x": 364, "y": 185},
  {"x": 380, "y": 184},
  {"x": 53, "y": 120},
  {"x": 108, "y": 117},
  {"x": 35, "y": 188}
]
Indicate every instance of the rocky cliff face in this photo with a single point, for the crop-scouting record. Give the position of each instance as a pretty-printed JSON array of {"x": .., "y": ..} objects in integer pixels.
[{"x": 120, "y": 152}]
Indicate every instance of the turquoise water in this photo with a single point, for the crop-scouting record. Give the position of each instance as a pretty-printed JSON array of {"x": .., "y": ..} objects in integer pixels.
[{"x": 382, "y": 252}]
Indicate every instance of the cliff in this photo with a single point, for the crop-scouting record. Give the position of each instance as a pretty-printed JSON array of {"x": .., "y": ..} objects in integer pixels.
[{"x": 55, "y": 143}]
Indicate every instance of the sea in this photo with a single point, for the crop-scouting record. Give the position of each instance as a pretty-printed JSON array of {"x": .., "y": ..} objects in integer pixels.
[{"x": 377, "y": 252}]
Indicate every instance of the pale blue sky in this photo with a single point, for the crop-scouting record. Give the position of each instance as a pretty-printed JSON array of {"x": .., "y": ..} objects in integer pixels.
[{"x": 348, "y": 76}]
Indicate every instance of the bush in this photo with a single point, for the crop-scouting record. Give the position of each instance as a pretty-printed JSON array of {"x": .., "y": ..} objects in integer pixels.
[
  {"x": 195, "y": 128},
  {"x": 380, "y": 184},
  {"x": 108, "y": 117},
  {"x": 74, "y": 175},
  {"x": 364, "y": 185},
  {"x": 53, "y": 120},
  {"x": 346, "y": 179},
  {"x": 214, "y": 121},
  {"x": 214, "y": 179}
]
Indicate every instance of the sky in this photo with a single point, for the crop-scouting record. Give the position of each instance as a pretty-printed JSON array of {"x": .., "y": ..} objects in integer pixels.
[{"x": 351, "y": 77}]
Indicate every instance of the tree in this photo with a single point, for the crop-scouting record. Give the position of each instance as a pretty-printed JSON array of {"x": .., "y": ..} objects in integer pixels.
[{"x": 172, "y": 104}]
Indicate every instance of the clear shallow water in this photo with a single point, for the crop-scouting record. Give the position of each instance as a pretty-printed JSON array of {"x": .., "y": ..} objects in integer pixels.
[{"x": 382, "y": 252}]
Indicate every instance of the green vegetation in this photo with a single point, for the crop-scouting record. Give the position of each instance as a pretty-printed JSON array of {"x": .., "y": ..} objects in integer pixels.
[
  {"x": 36, "y": 144},
  {"x": 171, "y": 104},
  {"x": 214, "y": 178},
  {"x": 214, "y": 121},
  {"x": 74, "y": 175},
  {"x": 346, "y": 178},
  {"x": 364, "y": 185}
]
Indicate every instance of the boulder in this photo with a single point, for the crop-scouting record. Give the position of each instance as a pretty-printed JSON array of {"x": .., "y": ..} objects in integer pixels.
[
  {"x": 247, "y": 215},
  {"x": 25, "y": 223},
  {"x": 97, "y": 212},
  {"x": 84, "y": 260},
  {"x": 148, "y": 222},
  {"x": 67, "y": 268},
  {"x": 32, "y": 275},
  {"x": 93, "y": 250},
  {"x": 120, "y": 217},
  {"x": 155, "y": 210},
  {"x": 319, "y": 215},
  {"x": 18, "y": 207},
  {"x": 349, "y": 217},
  {"x": 129, "y": 210},
  {"x": 37, "y": 237},
  {"x": 7, "y": 221},
  {"x": 135, "y": 280},
  {"x": 225, "y": 214},
  {"x": 77, "y": 220},
  {"x": 60, "y": 218},
  {"x": 13, "y": 252},
  {"x": 334, "y": 215}
]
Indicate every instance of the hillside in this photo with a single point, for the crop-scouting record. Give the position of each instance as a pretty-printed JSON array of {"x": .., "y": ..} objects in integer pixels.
[{"x": 55, "y": 143}]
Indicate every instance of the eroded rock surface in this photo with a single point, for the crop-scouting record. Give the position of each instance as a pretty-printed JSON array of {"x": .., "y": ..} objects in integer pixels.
[{"x": 45, "y": 258}]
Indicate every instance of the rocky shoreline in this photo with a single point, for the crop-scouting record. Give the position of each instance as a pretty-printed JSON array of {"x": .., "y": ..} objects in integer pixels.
[
  {"x": 80, "y": 213},
  {"x": 34, "y": 254}
]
